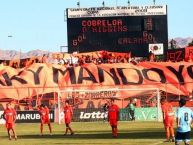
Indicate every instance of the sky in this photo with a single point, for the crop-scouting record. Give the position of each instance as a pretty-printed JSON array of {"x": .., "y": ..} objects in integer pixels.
[{"x": 40, "y": 24}]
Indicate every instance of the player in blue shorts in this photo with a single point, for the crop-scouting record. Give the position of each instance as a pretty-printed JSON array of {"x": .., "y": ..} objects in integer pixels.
[{"x": 184, "y": 118}]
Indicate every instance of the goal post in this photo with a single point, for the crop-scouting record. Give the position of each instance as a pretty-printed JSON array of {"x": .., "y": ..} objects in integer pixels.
[{"x": 123, "y": 95}]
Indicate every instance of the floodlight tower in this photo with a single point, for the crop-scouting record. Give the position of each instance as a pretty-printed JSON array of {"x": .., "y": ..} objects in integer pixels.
[
  {"x": 78, "y": 4},
  {"x": 103, "y": 3},
  {"x": 129, "y": 3},
  {"x": 154, "y": 2}
]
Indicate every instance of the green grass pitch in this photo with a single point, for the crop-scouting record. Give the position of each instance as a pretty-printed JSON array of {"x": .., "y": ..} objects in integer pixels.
[{"x": 89, "y": 133}]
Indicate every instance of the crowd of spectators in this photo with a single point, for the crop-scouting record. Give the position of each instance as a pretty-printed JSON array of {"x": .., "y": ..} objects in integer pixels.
[
  {"x": 79, "y": 59},
  {"x": 103, "y": 57}
]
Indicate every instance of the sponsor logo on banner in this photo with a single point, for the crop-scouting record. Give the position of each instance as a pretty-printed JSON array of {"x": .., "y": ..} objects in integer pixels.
[
  {"x": 146, "y": 114},
  {"x": 81, "y": 115},
  {"x": 31, "y": 116},
  {"x": 157, "y": 49},
  {"x": 93, "y": 115},
  {"x": 2, "y": 121}
]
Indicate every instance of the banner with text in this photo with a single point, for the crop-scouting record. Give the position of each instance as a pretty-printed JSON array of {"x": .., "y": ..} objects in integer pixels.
[
  {"x": 117, "y": 11},
  {"x": 176, "y": 55},
  {"x": 170, "y": 77},
  {"x": 28, "y": 117}
]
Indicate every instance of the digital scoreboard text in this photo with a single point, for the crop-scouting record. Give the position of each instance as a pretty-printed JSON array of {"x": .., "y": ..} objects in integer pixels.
[{"x": 125, "y": 29}]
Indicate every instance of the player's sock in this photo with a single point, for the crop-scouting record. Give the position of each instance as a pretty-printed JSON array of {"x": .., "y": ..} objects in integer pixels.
[
  {"x": 113, "y": 131},
  {"x": 177, "y": 143},
  {"x": 41, "y": 130},
  {"x": 10, "y": 137},
  {"x": 168, "y": 134},
  {"x": 15, "y": 137},
  {"x": 116, "y": 132},
  {"x": 66, "y": 131},
  {"x": 72, "y": 133},
  {"x": 50, "y": 128},
  {"x": 173, "y": 139},
  {"x": 172, "y": 133}
]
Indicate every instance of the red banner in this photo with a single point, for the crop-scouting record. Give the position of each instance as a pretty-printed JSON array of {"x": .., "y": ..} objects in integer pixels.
[
  {"x": 176, "y": 78},
  {"x": 189, "y": 53},
  {"x": 176, "y": 55}
]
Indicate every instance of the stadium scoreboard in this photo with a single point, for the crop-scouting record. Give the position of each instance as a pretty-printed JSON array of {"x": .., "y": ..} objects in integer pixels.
[{"x": 118, "y": 29}]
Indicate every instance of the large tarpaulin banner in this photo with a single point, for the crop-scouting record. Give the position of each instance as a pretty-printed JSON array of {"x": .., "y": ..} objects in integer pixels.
[{"x": 171, "y": 77}]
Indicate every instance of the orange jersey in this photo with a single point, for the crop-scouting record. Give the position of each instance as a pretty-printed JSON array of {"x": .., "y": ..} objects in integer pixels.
[
  {"x": 113, "y": 112},
  {"x": 44, "y": 113},
  {"x": 47, "y": 112},
  {"x": 68, "y": 112},
  {"x": 167, "y": 109},
  {"x": 10, "y": 115}
]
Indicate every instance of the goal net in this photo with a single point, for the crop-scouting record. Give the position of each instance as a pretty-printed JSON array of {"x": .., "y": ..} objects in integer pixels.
[{"x": 89, "y": 105}]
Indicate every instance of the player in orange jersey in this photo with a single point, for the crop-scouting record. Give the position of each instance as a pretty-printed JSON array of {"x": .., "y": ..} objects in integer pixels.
[
  {"x": 168, "y": 118},
  {"x": 68, "y": 112},
  {"x": 10, "y": 117},
  {"x": 44, "y": 116},
  {"x": 113, "y": 117}
]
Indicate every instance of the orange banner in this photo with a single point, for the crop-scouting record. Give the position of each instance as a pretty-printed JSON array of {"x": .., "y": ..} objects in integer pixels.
[{"x": 175, "y": 78}]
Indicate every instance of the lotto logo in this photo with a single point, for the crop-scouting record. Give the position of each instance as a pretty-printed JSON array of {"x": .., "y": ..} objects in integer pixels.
[{"x": 97, "y": 115}]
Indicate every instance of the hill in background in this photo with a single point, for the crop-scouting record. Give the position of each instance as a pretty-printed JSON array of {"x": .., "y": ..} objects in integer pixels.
[{"x": 14, "y": 54}]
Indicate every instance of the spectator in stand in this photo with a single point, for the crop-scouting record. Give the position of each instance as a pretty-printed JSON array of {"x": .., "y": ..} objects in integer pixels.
[
  {"x": 15, "y": 65},
  {"x": 5, "y": 63},
  {"x": 151, "y": 56},
  {"x": 133, "y": 61},
  {"x": 28, "y": 62},
  {"x": 80, "y": 61},
  {"x": 104, "y": 56},
  {"x": 55, "y": 59},
  {"x": 190, "y": 58},
  {"x": 152, "y": 103},
  {"x": 36, "y": 60},
  {"x": 45, "y": 58},
  {"x": 61, "y": 61},
  {"x": 138, "y": 103},
  {"x": 90, "y": 104}
]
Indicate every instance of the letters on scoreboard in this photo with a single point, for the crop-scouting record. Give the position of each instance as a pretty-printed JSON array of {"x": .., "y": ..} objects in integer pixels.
[{"x": 121, "y": 29}]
